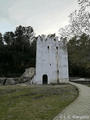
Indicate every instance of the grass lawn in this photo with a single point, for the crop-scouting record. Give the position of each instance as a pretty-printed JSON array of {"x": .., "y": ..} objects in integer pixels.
[{"x": 34, "y": 102}]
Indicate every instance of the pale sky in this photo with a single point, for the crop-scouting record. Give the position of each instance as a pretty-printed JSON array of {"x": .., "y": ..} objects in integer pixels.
[{"x": 45, "y": 16}]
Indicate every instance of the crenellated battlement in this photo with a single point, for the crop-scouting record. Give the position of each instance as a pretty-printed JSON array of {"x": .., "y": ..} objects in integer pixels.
[{"x": 52, "y": 40}]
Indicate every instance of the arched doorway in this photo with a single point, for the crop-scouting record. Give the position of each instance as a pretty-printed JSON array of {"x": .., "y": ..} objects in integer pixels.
[{"x": 45, "y": 79}]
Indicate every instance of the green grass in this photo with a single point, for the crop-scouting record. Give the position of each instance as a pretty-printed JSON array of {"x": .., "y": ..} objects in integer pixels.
[{"x": 34, "y": 102}]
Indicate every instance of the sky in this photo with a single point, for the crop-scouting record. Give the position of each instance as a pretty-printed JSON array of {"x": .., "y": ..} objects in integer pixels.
[{"x": 45, "y": 16}]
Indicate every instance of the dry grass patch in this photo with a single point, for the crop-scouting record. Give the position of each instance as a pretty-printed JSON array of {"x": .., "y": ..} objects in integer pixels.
[{"x": 34, "y": 102}]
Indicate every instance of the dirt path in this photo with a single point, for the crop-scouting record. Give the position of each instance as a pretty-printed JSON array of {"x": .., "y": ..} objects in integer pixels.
[{"x": 80, "y": 108}]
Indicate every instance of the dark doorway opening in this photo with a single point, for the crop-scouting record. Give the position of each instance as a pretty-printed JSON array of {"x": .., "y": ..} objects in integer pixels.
[{"x": 45, "y": 79}]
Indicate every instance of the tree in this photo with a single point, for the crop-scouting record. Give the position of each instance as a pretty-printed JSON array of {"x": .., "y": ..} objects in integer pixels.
[
  {"x": 79, "y": 56},
  {"x": 1, "y": 40},
  {"x": 23, "y": 37},
  {"x": 9, "y": 38},
  {"x": 18, "y": 53},
  {"x": 79, "y": 21}
]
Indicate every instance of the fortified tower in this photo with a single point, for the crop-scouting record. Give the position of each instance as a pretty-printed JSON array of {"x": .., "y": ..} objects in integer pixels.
[{"x": 51, "y": 61}]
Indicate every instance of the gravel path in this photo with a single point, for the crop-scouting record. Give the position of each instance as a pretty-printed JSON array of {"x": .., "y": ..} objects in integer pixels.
[{"x": 80, "y": 108}]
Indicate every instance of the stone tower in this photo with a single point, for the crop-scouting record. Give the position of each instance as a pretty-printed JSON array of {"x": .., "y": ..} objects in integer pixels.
[{"x": 51, "y": 61}]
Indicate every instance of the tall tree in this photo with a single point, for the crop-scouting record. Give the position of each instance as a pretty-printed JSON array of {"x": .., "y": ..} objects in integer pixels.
[
  {"x": 79, "y": 21},
  {"x": 9, "y": 38},
  {"x": 19, "y": 51},
  {"x": 79, "y": 56},
  {"x": 1, "y": 39},
  {"x": 23, "y": 36}
]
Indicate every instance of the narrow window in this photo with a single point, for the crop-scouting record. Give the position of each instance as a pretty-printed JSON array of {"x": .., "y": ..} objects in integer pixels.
[
  {"x": 54, "y": 39},
  {"x": 48, "y": 47},
  {"x": 57, "y": 48}
]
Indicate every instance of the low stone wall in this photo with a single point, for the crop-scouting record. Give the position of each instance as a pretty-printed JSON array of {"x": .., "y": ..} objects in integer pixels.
[
  {"x": 25, "y": 78},
  {"x": 9, "y": 81},
  {"x": 14, "y": 81}
]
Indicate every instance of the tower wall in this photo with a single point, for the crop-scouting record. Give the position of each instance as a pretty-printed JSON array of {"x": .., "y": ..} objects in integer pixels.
[{"x": 51, "y": 60}]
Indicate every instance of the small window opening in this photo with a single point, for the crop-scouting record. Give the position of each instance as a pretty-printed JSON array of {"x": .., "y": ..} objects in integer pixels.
[
  {"x": 57, "y": 48},
  {"x": 48, "y": 47}
]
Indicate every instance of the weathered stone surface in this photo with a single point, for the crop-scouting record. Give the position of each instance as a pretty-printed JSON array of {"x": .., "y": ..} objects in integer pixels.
[
  {"x": 24, "y": 79},
  {"x": 29, "y": 72},
  {"x": 2, "y": 80},
  {"x": 27, "y": 75},
  {"x": 51, "y": 61},
  {"x": 9, "y": 81}
]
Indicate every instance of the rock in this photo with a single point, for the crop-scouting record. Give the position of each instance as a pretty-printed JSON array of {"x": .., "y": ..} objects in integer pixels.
[
  {"x": 10, "y": 81},
  {"x": 27, "y": 75},
  {"x": 2, "y": 81},
  {"x": 29, "y": 72},
  {"x": 25, "y": 78}
]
